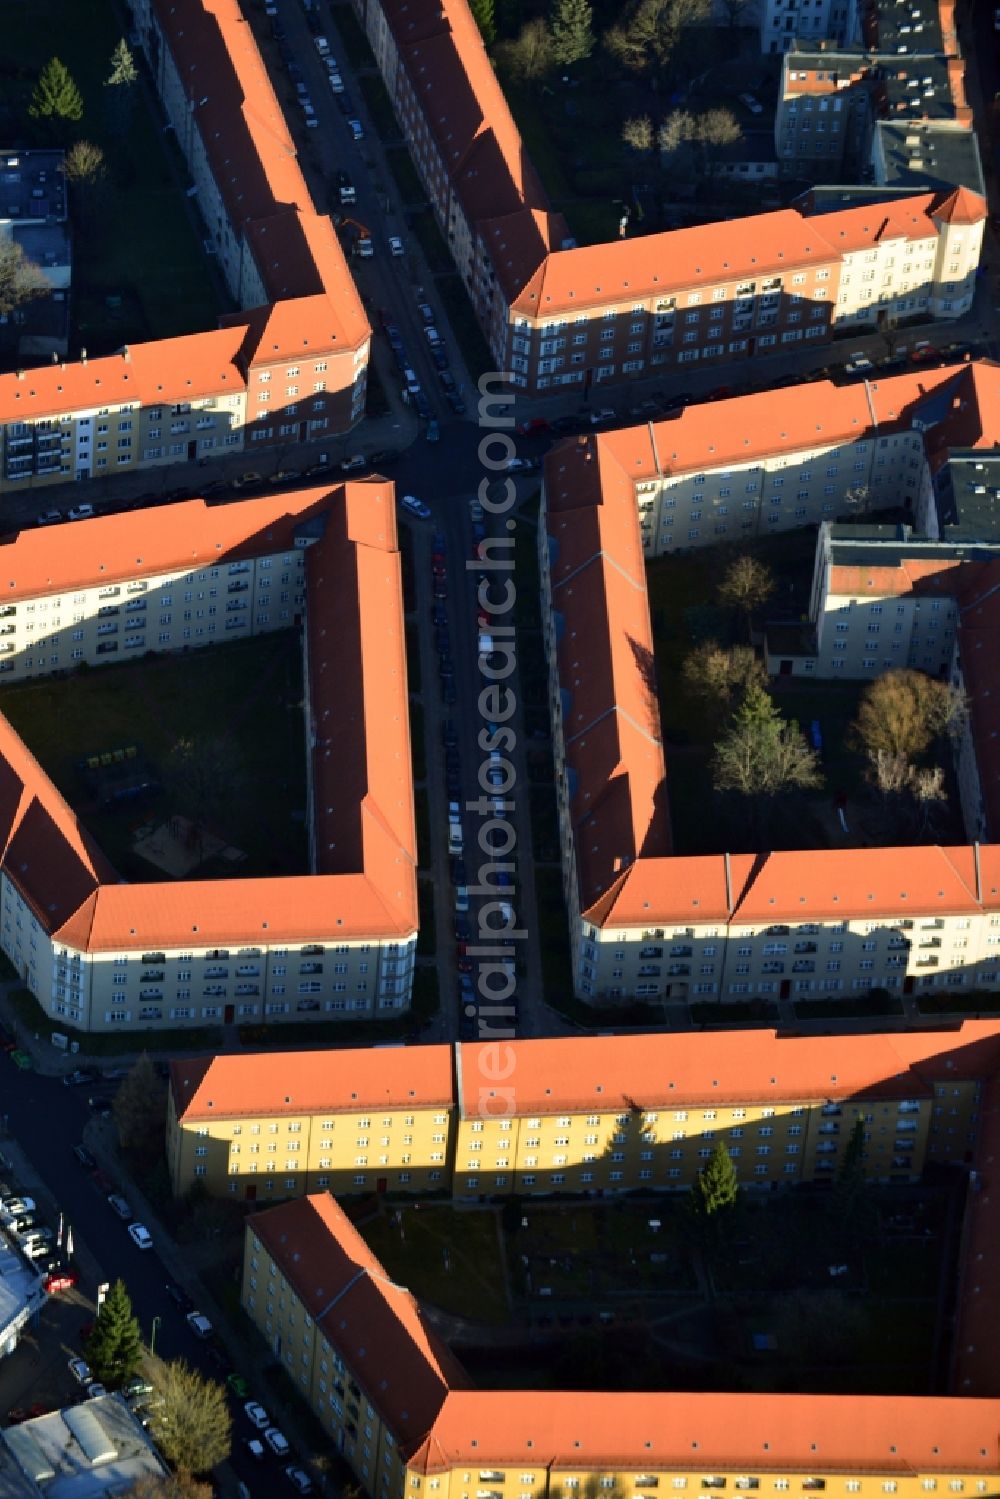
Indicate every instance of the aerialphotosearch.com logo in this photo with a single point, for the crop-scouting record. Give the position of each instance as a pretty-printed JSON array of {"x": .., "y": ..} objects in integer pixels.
[{"x": 494, "y": 1009}]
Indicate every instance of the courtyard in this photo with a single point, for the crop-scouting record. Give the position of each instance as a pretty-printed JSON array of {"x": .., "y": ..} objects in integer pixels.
[
  {"x": 788, "y": 1293},
  {"x": 682, "y": 587},
  {"x": 154, "y": 281},
  {"x": 219, "y": 735}
]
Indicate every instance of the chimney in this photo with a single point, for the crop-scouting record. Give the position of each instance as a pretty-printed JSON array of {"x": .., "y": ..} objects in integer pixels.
[
  {"x": 83, "y": 356},
  {"x": 20, "y": 374},
  {"x": 55, "y": 357},
  {"x": 127, "y": 354}
]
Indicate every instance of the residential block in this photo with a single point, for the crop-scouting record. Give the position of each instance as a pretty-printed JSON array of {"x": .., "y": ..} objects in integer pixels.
[{"x": 338, "y": 939}]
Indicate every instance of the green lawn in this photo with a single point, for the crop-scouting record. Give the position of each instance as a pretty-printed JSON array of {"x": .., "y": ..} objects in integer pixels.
[
  {"x": 237, "y": 703},
  {"x": 157, "y": 268},
  {"x": 450, "y": 1259}
]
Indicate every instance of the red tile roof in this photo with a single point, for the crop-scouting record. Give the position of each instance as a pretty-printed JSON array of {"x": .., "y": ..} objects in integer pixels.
[
  {"x": 576, "y": 1431},
  {"x": 376, "y": 1326},
  {"x": 705, "y": 254},
  {"x": 574, "y": 1074},
  {"x": 312, "y": 1082},
  {"x": 363, "y": 797},
  {"x": 168, "y": 369}
]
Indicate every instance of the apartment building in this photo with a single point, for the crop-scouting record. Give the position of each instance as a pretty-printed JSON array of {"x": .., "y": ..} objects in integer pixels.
[
  {"x": 784, "y": 24},
  {"x": 339, "y": 940},
  {"x": 645, "y": 923},
  {"x": 582, "y": 1115},
  {"x": 557, "y": 315},
  {"x": 401, "y": 1411},
  {"x": 289, "y": 367},
  {"x": 358, "y": 1347},
  {"x": 373, "y": 1120},
  {"x": 34, "y": 217},
  {"x": 889, "y": 110}
]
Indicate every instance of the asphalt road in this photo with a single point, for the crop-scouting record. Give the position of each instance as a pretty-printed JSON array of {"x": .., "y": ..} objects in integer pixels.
[{"x": 45, "y": 1120}]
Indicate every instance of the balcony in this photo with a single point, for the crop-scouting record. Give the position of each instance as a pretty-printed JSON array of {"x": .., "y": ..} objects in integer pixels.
[
  {"x": 237, "y": 587},
  {"x": 776, "y": 931},
  {"x": 929, "y": 942},
  {"x": 805, "y": 947},
  {"x": 829, "y": 1129},
  {"x": 682, "y": 952},
  {"x": 111, "y": 592},
  {"x": 651, "y": 952},
  {"x": 772, "y": 967},
  {"x": 804, "y": 965},
  {"x": 153, "y": 976},
  {"x": 153, "y": 959},
  {"x": 831, "y": 1111}
]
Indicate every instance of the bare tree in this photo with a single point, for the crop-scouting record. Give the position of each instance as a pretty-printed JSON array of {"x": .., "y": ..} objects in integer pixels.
[
  {"x": 638, "y": 133},
  {"x": 84, "y": 164},
  {"x": 902, "y": 712},
  {"x": 171, "y": 1486},
  {"x": 529, "y": 57},
  {"x": 21, "y": 280},
  {"x": 678, "y": 127},
  {"x": 723, "y": 674},
  {"x": 648, "y": 36},
  {"x": 719, "y": 127},
  {"x": 191, "y": 1426},
  {"x": 745, "y": 586}
]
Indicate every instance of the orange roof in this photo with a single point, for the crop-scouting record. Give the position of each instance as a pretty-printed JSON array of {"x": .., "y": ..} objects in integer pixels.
[
  {"x": 376, "y": 1326},
  {"x": 611, "y": 718},
  {"x": 579, "y": 1073},
  {"x": 962, "y": 206},
  {"x": 767, "y": 244},
  {"x": 312, "y": 1082},
  {"x": 574, "y": 1430},
  {"x": 848, "y": 883},
  {"x": 167, "y": 370},
  {"x": 362, "y": 782}
]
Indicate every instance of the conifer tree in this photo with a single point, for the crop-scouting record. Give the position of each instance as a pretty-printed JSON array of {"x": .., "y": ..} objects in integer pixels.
[
  {"x": 484, "y": 12},
  {"x": 114, "y": 1347},
  {"x": 55, "y": 97},
  {"x": 572, "y": 31},
  {"x": 715, "y": 1187}
]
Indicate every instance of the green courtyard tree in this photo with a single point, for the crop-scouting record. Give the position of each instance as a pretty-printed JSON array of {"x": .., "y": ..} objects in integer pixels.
[
  {"x": 572, "y": 25},
  {"x": 715, "y": 1188},
  {"x": 114, "y": 1348},
  {"x": 119, "y": 88},
  {"x": 56, "y": 97},
  {"x": 191, "y": 1426},
  {"x": 761, "y": 756},
  {"x": 484, "y": 12}
]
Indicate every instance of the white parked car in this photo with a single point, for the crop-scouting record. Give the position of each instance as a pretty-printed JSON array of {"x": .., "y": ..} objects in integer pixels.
[
  {"x": 396, "y": 246},
  {"x": 257, "y": 1415},
  {"x": 336, "y": 83},
  {"x": 299, "y": 1479},
  {"x": 199, "y": 1325},
  {"x": 140, "y": 1235},
  {"x": 18, "y": 1206},
  {"x": 462, "y": 899},
  {"x": 415, "y": 507},
  {"x": 80, "y": 512},
  {"x": 322, "y": 45},
  {"x": 277, "y": 1442}
]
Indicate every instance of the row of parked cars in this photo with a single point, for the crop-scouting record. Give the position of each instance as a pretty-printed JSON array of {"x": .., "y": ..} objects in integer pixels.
[
  {"x": 39, "y": 1243},
  {"x": 439, "y": 358}
]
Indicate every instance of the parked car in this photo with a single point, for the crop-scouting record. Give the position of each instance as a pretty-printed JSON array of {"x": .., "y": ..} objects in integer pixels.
[
  {"x": 357, "y": 129},
  {"x": 461, "y": 899},
  {"x": 199, "y": 1325},
  {"x": 858, "y": 364},
  {"x": 396, "y": 246},
  {"x": 95, "y": 1389},
  {"x": 179, "y": 1297},
  {"x": 118, "y": 1205},
  {"x": 336, "y": 83},
  {"x": 299, "y": 1479},
  {"x": 140, "y": 1236},
  {"x": 80, "y": 1370},
  {"x": 255, "y": 1447},
  {"x": 354, "y": 464},
  {"x": 80, "y": 512},
  {"x": 49, "y": 518},
  {"x": 602, "y": 416},
  {"x": 415, "y": 507},
  {"x": 15, "y": 1206},
  {"x": 277, "y": 1442},
  {"x": 79, "y": 1077},
  {"x": 60, "y": 1279},
  {"x": 136, "y": 1385},
  {"x": 257, "y": 1415},
  {"x": 753, "y": 105},
  {"x": 426, "y": 311},
  {"x": 433, "y": 433}
]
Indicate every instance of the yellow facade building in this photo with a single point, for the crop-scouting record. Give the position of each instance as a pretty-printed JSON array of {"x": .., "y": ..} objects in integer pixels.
[
  {"x": 592, "y": 1115},
  {"x": 399, "y": 1409}
]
